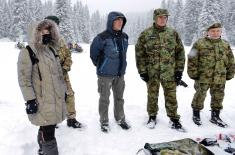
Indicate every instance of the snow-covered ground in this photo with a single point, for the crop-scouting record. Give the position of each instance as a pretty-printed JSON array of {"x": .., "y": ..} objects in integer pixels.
[{"x": 18, "y": 135}]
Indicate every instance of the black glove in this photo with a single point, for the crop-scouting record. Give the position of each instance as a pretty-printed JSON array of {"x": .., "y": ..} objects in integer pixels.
[
  {"x": 195, "y": 78},
  {"x": 227, "y": 78},
  {"x": 144, "y": 76},
  {"x": 31, "y": 106},
  {"x": 178, "y": 76}
]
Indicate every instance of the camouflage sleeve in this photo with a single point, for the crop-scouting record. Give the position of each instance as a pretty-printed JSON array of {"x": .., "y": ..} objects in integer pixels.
[
  {"x": 192, "y": 67},
  {"x": 65, "y": 56},
  {"x": 180, "y": 54},
  {"x": 140, "y": 54},
  {"x": 231, "y": 64}
]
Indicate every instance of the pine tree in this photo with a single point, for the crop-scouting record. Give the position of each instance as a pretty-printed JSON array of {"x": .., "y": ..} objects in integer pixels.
[
  {"x": 19, "y": 25},
  {"x": 179, "y": 18},
  {"x": 212, "y": 12},
  {"x": 35, "y": 10},
  {"x": 76, "y": 20},
  {"x": 63, "y": 11},
  {"x": 192, "y": 11},
  {"x": 85, "y": 25},
  {"x": 96, "y": 24},
  {"x": 230, "y": 22},
  {"x": 48, "y": 8},
  {"x": 172, "y": 10},
  {"x": 5, "y": 19},
  {"x": 163, "y": 4}
]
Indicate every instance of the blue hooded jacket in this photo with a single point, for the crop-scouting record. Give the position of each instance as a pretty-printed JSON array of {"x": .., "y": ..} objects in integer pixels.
[{"x": 108, "y": 49}]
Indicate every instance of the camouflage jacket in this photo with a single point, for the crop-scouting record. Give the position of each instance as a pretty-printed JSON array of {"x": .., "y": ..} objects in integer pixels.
[
  {"x": 159, "y": 53},
  {"x": 65, "y": 56},
  {"x": 211, "y": 61}
]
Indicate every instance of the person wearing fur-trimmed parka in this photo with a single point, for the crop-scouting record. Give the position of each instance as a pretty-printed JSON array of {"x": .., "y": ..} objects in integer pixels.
[{"x": 42, "y": 84}]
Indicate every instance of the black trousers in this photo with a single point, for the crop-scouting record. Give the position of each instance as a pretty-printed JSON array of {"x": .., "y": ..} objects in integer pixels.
[{"x": 46, "y": 133}]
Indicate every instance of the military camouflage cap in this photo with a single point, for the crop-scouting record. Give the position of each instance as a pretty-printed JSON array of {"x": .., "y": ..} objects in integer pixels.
[
  {"x": 215, "y": 25},
  {"x": 160, "y": 12}
]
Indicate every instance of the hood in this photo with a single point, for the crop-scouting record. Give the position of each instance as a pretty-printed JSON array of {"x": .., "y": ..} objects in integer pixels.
[
  {"x": 34, "y": 33},
  {"x": 113, "y": 16}
]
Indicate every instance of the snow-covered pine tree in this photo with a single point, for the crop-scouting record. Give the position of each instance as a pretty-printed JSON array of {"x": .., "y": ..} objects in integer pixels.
[
  {"x": 172, "y": 10},
  {"x": 163, "y": 4},
  {"x": 76, "y": 20},
  {"x": 5, "y": 19},
  {"x": 63, "y": 11},
  {"x": 85, "y": 25},
  {"x": 48, "y": 8},
  {"x": 212, "y": 11},
  {"x": 230, "y": 22},
  {"x": 179, "y": 18},
  {"x": 19, "y": 25},
  {"x": 35, "y": 10},
  {"x": 192, "y": 11},
  {"x": 96, "y": 24}
]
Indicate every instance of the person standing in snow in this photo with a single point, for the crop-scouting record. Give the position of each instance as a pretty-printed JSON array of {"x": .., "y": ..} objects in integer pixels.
[
  {"x": 160, "y": 59},
  {"x": 66, "y": 63},
  {"x": 108, "y": 54},
  {"x": 210, "y": 64},
  {"x": 42, "y": 83}
]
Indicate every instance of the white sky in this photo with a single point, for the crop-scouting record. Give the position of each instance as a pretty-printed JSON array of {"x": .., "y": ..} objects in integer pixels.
[{"x": 104, "y": 6}]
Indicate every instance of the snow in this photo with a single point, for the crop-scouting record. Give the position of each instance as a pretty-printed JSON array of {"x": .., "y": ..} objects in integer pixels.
[{"x": 18, "y": 135}]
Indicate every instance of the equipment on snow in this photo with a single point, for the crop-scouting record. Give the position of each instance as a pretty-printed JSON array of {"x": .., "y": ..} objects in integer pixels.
[{"x": 183, "y": 146}]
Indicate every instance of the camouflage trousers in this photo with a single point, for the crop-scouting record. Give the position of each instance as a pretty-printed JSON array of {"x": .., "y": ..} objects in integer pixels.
[
  {"x": 104, "y": 85},
  {"x": 70, "y": 100},
  {"x": 217, "y": 95},
  {"x": 169, "y": 89}
]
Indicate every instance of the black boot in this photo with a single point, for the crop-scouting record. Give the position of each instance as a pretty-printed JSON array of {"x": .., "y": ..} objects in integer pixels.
[
  {"x": 74, "y": 123},
  {"x": 50, "y": 147},
  {"x": 196, "y": 117},
  {"x": 151, "y": 122},
  {"x": 123, "y": 124},
  {"x": 105, "y": 128},
  {"x": 175, "y": 124},
  {"x": 215, "y": 119},
  {"x": 39, "y": 139}
]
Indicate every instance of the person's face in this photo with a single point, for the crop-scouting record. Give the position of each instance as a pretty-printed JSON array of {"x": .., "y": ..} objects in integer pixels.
[
  {"x": 161, "y": 20},
  {"x": 117, "y": 24},
  {"x": 45, "y": 31},
  {"x": 214, "y": 33}
]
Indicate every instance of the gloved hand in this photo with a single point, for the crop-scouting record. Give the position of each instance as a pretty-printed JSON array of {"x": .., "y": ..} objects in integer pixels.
[
  {"x": 227, "y": 78},
  {"x": 195, "y": 78},
  {"x": 31, "y": 106},
  {"x": 144, "y": 76},
  {"x": 178, "y": 76}
]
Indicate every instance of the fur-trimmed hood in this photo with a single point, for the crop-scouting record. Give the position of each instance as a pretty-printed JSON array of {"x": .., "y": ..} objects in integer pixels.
[{"x": 34, "y": 33}]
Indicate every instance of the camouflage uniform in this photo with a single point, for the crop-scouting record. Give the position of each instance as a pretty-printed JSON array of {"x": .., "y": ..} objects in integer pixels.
[
  {"x": 66, "y": 62},
  {"x": 210, "y": 64},
  {"x": 159, "y": 54}
]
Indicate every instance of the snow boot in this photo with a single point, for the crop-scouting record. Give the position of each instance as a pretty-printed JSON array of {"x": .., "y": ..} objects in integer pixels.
[
  {"x": 105, "y": 128},
  {"x": 74, "y": 123},
  {"x": 196, "y": 117},
  {"x": 215, "y": 119},
  {"x": 124, "y": 125},
  {"x": 175, "y": 124},
  {"x": 151, "y": 122},
  {"x": 40, "y": 152},
  {"x": 39, "y": 139},
  {"x": 50, "y": 147}
]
